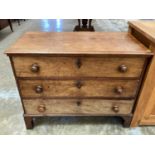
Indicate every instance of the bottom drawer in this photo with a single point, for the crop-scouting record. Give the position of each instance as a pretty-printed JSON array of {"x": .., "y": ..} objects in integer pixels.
[{"x": 75, "y": 107}]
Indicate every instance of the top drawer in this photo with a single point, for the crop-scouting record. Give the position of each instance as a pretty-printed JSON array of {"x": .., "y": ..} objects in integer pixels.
[{"x": 46, "y": 66}]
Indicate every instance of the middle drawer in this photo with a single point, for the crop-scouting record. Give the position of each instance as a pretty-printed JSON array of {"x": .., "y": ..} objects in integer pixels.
[{"x": 78, "y": 88}]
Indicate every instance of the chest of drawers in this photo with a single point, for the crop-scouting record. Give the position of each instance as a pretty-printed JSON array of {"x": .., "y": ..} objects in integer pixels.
[{"x": 78, "y": 74}]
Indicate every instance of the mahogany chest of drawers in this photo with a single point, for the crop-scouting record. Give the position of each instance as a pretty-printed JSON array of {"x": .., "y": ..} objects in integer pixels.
[{"x": 78, "y": 73}]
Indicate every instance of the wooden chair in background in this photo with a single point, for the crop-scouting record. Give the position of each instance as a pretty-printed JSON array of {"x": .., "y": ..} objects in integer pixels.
[{"x": 84, "y": 25}]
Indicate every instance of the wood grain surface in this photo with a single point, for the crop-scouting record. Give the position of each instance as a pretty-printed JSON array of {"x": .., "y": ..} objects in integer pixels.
[
  {"x": 68, "y": 67},
  {"x": 71, "y": 107},
  {"x": 145, "y": 109},
  {"x": 78, "y": 43},
  {"x": 144, "y": 113},
  {"x": 146, "y": 28},
  {"x": 89, "y": 88},
  {"x": 69, "y": 73}
]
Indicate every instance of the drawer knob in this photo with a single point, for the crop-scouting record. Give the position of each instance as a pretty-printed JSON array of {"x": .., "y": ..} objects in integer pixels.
[
  {"x": 35, "y": 68},
  {"x": 79, "y": 84},
  {"x": 119, "y": 90},
  {"x": 41, "y": 108},
  {"x": 115, "y": 108},
  {"x": 78, "y": 63},
  {"x": 123, "y": 68},
  {"x": 39, "y": 89},
  {"x": 78, "y": 103}
]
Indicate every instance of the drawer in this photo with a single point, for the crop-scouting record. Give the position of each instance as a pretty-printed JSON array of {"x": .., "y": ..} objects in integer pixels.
[
  {"x": 78, "y": 88},
  {"x": 43, "y": 66},
  {"x": 77, "y": 107}
]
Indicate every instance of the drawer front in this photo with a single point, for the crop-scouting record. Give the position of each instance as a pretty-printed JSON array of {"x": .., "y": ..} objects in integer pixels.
[
  {"x": 79, "y": 88},
  {"x": 77, "y": 107},
  {"x": 28, "y": 66}
]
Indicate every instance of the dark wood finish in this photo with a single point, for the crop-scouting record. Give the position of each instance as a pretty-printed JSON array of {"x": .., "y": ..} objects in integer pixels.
[
  {"x": 10, "y": 24},
  {"x": 29, "y": 122},
  {"x": 127, "y": 121},
  {"x": 6, "y": 22},
  {"x": 35, "y": 68},
  {"x": 84, "y": 25}
]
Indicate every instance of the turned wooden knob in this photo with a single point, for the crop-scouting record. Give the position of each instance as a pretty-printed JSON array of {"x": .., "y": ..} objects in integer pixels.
[
  {"x": 35, "y": 68},
  {"x": 78, "y": 63},
  {"x": 115, "y": 108},
  {"x": 79, "y": 84},
  {"x": 119, "y": 90},
  {"x": 39, "y": 89},
  {"x": 123, "y": 68},
  {"x": 41, "y": 108}
]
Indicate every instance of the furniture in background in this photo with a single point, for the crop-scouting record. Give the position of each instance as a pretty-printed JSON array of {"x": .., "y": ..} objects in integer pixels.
[
  {"x": 83, "y": 74},
  {"x": 84, "y": 25},
  {"x": 144, "y": 114},
  {"x": 4, "y": 23},
  {"x": 18, "y": 20}
]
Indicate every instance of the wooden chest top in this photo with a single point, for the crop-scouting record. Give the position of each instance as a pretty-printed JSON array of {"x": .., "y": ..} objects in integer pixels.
[
  {"x": 78, "y": 73},
  {"x": 146, "y": 28},
  {"x": 78, "y": 43}
]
